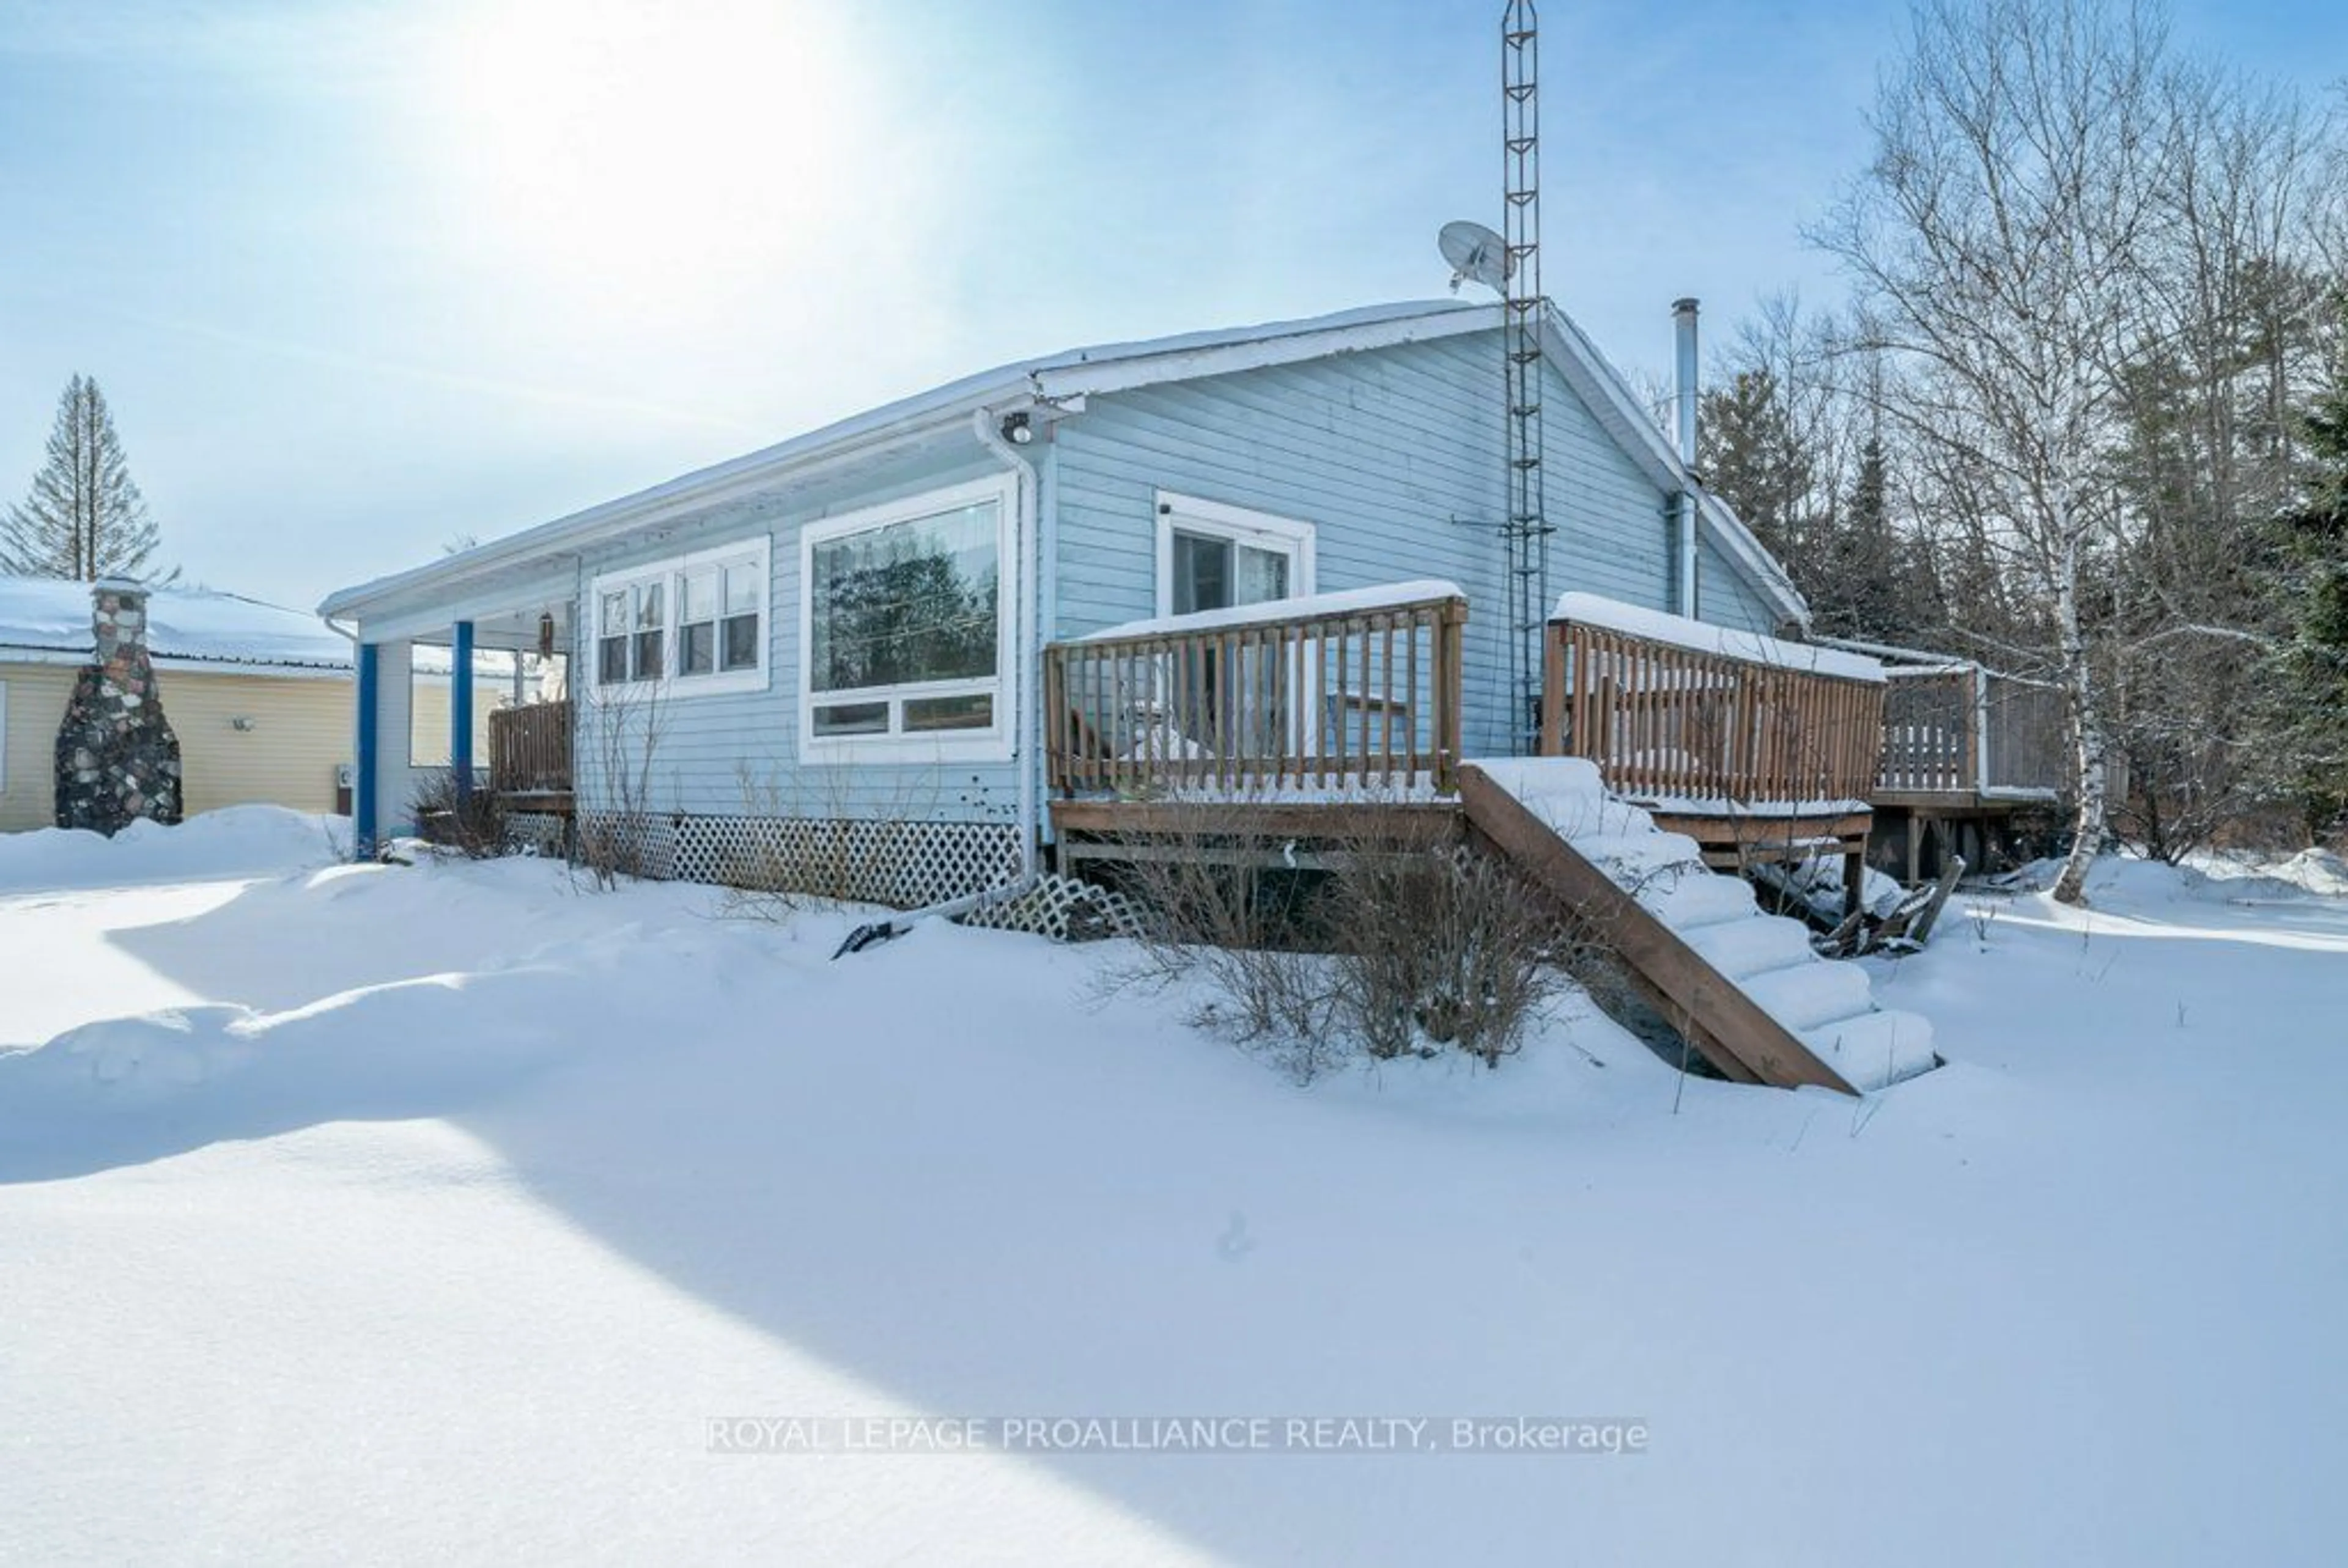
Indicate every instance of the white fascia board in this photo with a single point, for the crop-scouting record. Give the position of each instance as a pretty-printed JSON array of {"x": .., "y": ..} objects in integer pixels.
[
  {"x": 1726, "y": 529},
  {"x": 1151, "y": 366},
  {"x": 168, "y": 665},
  {"x": 551, "y": 583},
  {"x": 567, "y": 536}
]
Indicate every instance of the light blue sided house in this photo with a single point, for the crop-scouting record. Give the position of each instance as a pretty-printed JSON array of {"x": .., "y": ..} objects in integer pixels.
[{"x": 942, "y": 643}]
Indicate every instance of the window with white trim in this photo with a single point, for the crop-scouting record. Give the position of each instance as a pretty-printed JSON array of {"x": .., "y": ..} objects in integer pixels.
[
  {"x": 905, "y": 626},
  {"x": 695, "y": 624},
  {"x": 1212, "y": 555}
]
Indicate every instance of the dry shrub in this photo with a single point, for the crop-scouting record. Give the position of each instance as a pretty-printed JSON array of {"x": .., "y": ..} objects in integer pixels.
[
  {"x": 470, "y": 822},
  {"x": 1247, "y": 947},
  {"x": 1312, "y": 957},
  {"x": 613, "y": 842},
  {"x": 1446, "y": 947}
]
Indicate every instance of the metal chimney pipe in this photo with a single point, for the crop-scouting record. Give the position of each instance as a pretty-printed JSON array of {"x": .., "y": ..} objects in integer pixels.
[
  {"x": 1683, "y": 320},
  {"x": 1685, "y": 584}
]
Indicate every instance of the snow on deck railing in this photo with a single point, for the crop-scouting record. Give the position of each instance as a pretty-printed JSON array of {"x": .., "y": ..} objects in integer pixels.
[
  {"x": 1356, "y": 689},
  {"x": 1348, "y": 601},
  {"x": 1705, "y": 716},
  {"x": 1703, "y": 637}
]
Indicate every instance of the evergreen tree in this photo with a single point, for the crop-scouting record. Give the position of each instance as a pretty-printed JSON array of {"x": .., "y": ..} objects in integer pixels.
[
  {"x": 1856, "y": 578},
  {"x": 84, "y": 517},
  {"x": 1752, "y": 458},
  {"x": 2312, "y": 676}
]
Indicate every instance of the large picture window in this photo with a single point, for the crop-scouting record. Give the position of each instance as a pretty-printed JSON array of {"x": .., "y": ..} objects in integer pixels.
[
  {"x": 906, "y": 622},
  {"x": 696, "y": 623}
]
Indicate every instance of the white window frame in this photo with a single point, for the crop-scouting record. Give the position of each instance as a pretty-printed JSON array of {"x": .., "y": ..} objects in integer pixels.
[
  {"x": 992, "y": 743},
  {"x": 757, "y": 553},
  {"x": 1215, "y": 520},
  {"x": 4, "y": 737}
]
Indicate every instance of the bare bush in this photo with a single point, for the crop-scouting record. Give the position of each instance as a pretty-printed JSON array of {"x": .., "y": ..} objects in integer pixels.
[
  {"x": 614, "y": 841},
  {"x": 1445, "y": 947},
  {"x": 1316, "y": 956},
  {"x": 1247, "y": 947},
  {"x": 472, "y": 822}
]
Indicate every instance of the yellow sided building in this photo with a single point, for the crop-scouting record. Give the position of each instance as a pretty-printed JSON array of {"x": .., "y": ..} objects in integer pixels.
[{"x": 260, "y": 696}]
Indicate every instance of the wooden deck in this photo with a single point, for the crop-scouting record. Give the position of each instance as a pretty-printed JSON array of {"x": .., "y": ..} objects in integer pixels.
[
  {"x": 1965, "y": 750},
  {"x": 1958, "y": 736},
  {"x": 1672, "y": 723},
  {"x": 529, "y": 757},
  {"x": 1310, "y": 741},
  {"x": 1350, "y": 703},
  {"x": 1754, "y": 760},
  {"x": 1317, "y": 729},
  {"x": 1301, "y": 836}
]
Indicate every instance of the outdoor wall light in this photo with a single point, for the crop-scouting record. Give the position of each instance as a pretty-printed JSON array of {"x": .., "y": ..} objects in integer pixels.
[
  {"x": 241, "y": 721},
  {"x": 1016, "y": 429}
]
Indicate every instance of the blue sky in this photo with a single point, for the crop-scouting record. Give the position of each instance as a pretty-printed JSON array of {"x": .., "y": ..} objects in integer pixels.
[{"x": 360, "y": 276}]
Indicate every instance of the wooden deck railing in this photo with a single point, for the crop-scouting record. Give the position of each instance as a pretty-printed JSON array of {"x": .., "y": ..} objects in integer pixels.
[
  {"x": 1662, "y": 721},
  {"x": 530, "y": 748},
  {"x": 2026, "y": 731},
  {"x": 1345, "y": 700},
  {"x": 1932, "y": 737},
  {"x": 1963, "y": 729}
]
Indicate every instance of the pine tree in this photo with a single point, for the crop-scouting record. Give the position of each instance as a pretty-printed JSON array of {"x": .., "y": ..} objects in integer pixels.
[
  {"x": 1752, "y": 458},
  {"x": 1859, "y": 583},
  {"x": 84, "y": 517},
  {"x": 2312, "y": 669}
]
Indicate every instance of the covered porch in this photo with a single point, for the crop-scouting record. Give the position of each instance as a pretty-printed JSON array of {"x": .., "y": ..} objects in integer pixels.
[{"x": 455, "y": 704}]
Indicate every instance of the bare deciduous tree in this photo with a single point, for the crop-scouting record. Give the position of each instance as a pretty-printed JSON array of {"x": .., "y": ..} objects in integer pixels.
[{"x": 1996, "y": 246}]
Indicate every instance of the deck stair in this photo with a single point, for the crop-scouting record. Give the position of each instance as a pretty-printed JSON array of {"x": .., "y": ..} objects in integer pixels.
[{"x": 1746, "y": 989}]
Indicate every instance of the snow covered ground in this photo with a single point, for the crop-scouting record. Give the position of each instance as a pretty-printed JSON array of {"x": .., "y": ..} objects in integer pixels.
[{"x": 379, "y": 1214}]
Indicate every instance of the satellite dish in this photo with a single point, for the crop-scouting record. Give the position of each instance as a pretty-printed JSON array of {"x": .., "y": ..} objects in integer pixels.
[{"x": 1474, "y": 253}]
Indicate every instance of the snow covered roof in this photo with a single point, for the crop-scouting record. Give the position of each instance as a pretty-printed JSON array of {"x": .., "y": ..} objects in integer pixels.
[
  {"x": 1063, "y": 379},
  {"x": 51, "y": 617}
]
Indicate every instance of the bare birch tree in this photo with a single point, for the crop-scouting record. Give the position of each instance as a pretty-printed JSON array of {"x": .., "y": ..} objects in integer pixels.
[{"x": 1995, "y": 246}]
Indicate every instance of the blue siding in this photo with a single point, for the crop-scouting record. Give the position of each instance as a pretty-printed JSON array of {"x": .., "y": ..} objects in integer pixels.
[
  {"x": 736, "y": 754},
  {"x": 1396, "y": 456},
  {"x": 1727, "y": 597}
]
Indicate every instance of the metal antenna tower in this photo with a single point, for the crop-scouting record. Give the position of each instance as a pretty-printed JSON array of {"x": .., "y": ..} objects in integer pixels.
[{"x": 1526, "y": 530}]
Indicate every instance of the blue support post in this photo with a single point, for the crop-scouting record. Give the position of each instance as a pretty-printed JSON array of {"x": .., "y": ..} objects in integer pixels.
[
  {"x": 363, "y": 804},
  {"x": 460, "y": 709}
]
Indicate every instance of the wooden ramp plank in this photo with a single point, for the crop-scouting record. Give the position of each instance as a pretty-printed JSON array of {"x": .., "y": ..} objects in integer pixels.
[{"x": 1732, "y": 1031}]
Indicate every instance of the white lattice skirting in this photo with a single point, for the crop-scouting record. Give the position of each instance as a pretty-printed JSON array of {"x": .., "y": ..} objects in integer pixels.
[
  {"x": 903, "y": 865},
  {"x": 1065, "y": 909},
  {"x": 539, "y": 833}
]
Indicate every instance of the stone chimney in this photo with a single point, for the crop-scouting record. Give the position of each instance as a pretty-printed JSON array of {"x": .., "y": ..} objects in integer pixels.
[{"x": 118, "y": 760}]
